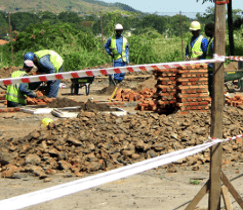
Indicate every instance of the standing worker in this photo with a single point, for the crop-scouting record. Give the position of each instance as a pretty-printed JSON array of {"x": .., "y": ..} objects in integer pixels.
[
  {"x": 16, "y": 93},
  {"x": 117, "y": 47},
  {"x": 197, "y": 46},
  {"x": 49, "y": 62},
  {"x": 209, "y": 31}
]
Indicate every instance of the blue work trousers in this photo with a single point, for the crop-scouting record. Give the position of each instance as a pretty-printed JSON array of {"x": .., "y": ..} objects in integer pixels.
[
  {"x": 117, "y": 77},
  {"x": 47, "y": 67}
]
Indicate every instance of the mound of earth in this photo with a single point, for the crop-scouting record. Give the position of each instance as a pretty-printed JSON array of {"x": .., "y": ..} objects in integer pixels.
[
  {"x": 63, "y": 102},
  {"x": 100, "y": 142},
  {"x": 7, "y": 71},
  {"x": 149, "y": 83}
]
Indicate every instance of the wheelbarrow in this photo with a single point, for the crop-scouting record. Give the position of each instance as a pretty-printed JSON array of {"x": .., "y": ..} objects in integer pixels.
[
  {"x": 81, "y": 82},
  {"x": 229, "y": 78}
]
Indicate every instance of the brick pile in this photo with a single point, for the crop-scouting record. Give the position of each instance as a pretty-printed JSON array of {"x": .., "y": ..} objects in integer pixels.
[
  {"x": 192, "y": 88},
  {"x": 133, "y": 95},
  {"x": 180, "y": 90},
  {"x": 35, "y": 101},
  {"x": 235, "y": 101},
  {"x": 166, "y": 89}
]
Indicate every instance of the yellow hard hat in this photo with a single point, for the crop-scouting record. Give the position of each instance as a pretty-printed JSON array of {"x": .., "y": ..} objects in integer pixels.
[
  {"x": 195, "y": 25},
  {"x": 45, "y": 122}
]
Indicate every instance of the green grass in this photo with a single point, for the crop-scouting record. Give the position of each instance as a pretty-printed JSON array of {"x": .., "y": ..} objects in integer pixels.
[{"x": 195, "y": 182}]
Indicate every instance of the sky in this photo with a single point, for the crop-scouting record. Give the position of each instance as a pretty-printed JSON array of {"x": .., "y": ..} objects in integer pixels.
[{"x": 172, "y": 6}]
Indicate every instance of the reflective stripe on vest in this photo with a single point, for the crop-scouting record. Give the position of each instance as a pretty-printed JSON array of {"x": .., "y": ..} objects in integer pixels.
[
  {"x": 209, "y": 52},
  {"x": 55, "y": 58},
  {"x": 113, "y": 49},
  {"x": 196, "y": 50},
  {"x": 13, "y": 93}
]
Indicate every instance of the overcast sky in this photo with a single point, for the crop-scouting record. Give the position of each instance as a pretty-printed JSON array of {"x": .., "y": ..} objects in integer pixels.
[{"x": 171, "y": 6}]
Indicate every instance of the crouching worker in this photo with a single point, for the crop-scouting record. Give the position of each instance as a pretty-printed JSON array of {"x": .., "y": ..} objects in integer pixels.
[{"x": 16, "y": 93}]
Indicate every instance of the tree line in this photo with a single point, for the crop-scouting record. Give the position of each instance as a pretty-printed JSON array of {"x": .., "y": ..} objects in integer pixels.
[{"x": 137, "y": 22}]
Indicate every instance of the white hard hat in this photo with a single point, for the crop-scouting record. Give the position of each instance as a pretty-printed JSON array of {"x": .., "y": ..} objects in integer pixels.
[
  {"x": 195, "y": 25},
  {"x": 118, "y": 27}
]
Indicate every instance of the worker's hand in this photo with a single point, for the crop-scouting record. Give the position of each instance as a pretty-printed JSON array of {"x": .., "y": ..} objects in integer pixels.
[{"x": 112, "y": 54}]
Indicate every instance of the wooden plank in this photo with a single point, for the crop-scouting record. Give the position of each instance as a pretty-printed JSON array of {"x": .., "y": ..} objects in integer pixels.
[
  {"x": 199, "y": 196},
  {"x": 217, "y": 108},
  {"x": 231, "y": 189},
  {"x": 226, "y": 198}
]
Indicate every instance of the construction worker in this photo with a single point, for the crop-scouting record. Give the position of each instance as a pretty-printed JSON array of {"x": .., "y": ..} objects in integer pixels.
[
  {"x": 209, "y": 31},
  {"x": 197, "y": 46},
  {"x": 117, "y": 47},
  {"x": 49, "y": 62},
  {"x": 16, "y": 93}
]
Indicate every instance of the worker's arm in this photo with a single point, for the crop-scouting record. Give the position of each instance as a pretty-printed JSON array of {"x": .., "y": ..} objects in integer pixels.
[
  {"x": 107, "y": 46},
  {"x": 127, "y": 53},
  {"x": 26, "y": 91}
]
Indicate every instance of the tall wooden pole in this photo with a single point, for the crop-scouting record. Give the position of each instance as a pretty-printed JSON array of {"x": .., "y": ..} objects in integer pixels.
[
  {"x": 217, "y": 108},
  {"x": 230, "y": 28},
  {"x": 182, "y": 50},
  {"x": 10, "y": 34}
]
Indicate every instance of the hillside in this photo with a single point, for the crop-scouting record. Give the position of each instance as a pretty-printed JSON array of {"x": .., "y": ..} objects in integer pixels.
[{"x": 57, "y": 6}]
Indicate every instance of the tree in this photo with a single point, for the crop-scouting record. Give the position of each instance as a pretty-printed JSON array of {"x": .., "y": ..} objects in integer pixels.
[{"x": 3, "y": 25}]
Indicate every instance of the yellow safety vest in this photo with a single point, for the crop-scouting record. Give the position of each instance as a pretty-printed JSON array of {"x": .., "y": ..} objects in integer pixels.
[
  {"x": 13, "y": 93},
  {"x": 196, "y": 50},
  {"x": 209, "y": 52},
  {"x": 55, "y": 58},
  {"x": 113, "y": 49}
]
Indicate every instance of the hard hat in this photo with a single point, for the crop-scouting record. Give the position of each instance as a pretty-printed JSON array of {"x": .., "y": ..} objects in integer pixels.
[
  {"x": 195, "y": 25},
  {"x": 29, "y": 56},
  {"x": 118, "y": 27}
]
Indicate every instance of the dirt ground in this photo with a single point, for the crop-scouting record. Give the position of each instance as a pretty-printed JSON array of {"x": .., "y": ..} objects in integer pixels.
[{"x": 153, "y": 189}]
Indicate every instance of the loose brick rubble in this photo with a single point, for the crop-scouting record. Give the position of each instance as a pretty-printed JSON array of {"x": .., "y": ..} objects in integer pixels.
[
  {"x": 133, "y": 95},
  {"x": 34, "y": 101},
  {"x": 235, "y": 101},
  {"x": 99, "y": 142}
]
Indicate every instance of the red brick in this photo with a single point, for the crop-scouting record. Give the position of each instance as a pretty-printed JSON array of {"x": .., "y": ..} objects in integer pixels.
[
  {"x": 203, "y": 103},
  {"x": 194, "y": 83},
  {"x": 188, "y": 108},
  {"x": 5, "y": 110},
  {"x": 194, "y": 91},
  {"x": 199, "y": 91},
  {"x": 194, "y": 79}
]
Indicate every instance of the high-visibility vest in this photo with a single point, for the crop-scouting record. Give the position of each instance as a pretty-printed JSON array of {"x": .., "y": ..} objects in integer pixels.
[
  {"x": 55, "y": 58},
  {"x": 113, "y": 49},
  {"x": 13, "y": 93},
  {"x": 209, "y": 52},
  {"x": 196, "y": 50}
]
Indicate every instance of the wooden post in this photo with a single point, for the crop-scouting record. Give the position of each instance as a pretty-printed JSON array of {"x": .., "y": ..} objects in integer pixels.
[
  {"x": 230, "y": 28},
  {"x": 182, "y": 50},
  {"x": 101, "y": 25},
  {"x": 10, "y": 34},
  {"x": 217, "y": 108}
]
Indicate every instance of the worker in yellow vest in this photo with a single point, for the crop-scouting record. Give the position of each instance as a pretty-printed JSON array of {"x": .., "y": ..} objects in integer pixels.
[
  {"x": 209, "y": 31},
  {"x": 197, "y": 46},
  {"x": 48, "y": 62},
  {"x": 16, "y": 93},
  {"x": 117, "y": 47}
]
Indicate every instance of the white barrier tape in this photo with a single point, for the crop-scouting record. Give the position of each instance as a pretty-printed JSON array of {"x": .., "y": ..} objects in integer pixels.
[
  {"x": 99, "y": 72},
  {"x": 59, "y": 191},
  {"x": 228, "y": 139},
  {"x": 233, "y": 58}
]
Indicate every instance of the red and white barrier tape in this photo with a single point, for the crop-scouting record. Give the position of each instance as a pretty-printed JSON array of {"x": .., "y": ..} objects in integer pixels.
[
  {"x": 233, "y": 58},
  {"x": 100, "y": 72},
  {"x": 228, "y": 139},
  {"x": 41, "y": 196}
]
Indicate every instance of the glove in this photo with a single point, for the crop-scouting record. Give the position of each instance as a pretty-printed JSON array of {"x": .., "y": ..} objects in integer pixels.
[{"x": 112, "y": 54}]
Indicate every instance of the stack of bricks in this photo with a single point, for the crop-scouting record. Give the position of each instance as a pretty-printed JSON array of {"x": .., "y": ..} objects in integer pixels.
[
  {"x": 192, "y": 88},
  {"x": 182, "y": 89},
  {"x": 166, "y": 90}
]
